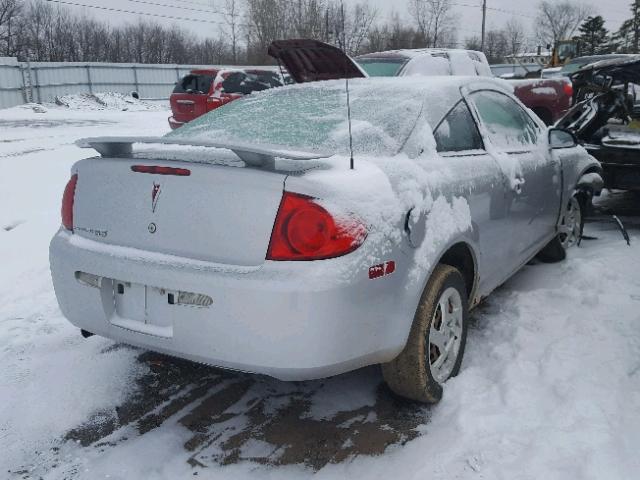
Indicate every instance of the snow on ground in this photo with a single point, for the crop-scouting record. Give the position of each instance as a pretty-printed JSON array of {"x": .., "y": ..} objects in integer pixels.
[{"x": 550, "y": 385}]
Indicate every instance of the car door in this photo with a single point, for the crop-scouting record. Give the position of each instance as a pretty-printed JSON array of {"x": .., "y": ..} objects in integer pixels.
[
  {"x": 531, "y": 174},
  {"x": 479, "y": 180}
]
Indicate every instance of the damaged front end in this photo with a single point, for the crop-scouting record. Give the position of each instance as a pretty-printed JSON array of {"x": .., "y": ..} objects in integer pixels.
[{"x": 603, "y": 103}]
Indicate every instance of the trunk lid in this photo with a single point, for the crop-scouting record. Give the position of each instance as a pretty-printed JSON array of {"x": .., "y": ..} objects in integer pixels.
[
  {"x": 311, "y": 60},
  {"x": 216, "y": 213}
]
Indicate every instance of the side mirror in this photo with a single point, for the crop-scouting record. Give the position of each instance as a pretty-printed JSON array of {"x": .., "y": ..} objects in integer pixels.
[{"x": 560, "y": 138}]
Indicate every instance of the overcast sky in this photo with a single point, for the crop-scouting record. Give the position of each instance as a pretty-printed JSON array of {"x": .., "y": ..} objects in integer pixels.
[{"x": 468, "y": 12}]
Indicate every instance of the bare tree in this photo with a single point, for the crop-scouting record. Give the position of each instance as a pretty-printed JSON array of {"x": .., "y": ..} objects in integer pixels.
[
  {"x": 435, "y": 21},
  {"x": 9, "y": 11},
  {"x": 231, "y": 19},
  {"x": 473, "y": 43},
  {"x": 559, "y": 20},
  {"x": 357, "y": 26},
  {"x": 516, "y": 37},
  {"x": 496, "y": 46}
]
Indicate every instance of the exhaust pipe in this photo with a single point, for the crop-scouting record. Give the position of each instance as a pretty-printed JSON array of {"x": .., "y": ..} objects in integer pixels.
[{"x": 86, "y": 334}]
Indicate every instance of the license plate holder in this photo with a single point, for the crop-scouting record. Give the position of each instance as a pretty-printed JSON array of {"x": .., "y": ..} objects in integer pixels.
[{"x": 142, "y": 308}]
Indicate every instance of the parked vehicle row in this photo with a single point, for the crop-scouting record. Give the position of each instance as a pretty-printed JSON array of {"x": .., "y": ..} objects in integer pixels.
[
  {"x": 204, "y": 90},
  {"x": 265, "y": 252}
]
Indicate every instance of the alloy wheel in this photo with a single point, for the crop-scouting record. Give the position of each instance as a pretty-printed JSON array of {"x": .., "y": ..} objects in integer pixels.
[{"x": 445, "y": 335}]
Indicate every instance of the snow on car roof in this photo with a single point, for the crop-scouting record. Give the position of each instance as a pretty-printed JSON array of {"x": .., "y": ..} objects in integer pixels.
[
  {"x": 413, "y": 52},
  {"x": 313, "y": 116}
]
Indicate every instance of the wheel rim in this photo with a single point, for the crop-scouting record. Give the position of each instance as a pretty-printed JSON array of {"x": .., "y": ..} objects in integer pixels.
[
  {"x": 570, "y": 229},
  {"x": 445, "y": 335}
]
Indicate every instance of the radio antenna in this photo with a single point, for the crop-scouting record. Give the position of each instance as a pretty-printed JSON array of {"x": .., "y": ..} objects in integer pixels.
[
  {"x": 349, "y": 121},
  {"x": 346, "y": 79}
]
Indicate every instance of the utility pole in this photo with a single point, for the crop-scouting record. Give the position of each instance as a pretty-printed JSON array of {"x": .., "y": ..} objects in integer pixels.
[
  {"x": 484, "y": 22},
  {"x": 344, "y": 35}
]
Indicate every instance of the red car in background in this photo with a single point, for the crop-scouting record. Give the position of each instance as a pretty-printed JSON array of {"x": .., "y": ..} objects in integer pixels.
[{"x": 201, "y": 91}]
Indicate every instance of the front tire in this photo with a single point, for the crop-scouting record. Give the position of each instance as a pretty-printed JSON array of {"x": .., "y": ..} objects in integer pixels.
[
  {"x": 570, "y": 231},
  {"x": 436, "y": 343}
]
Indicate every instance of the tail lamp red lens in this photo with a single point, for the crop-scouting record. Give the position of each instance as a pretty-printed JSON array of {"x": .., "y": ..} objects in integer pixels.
[
  {"x": 67, "y": 202},
  {"x": 568, "y": 89},
  {"x": 304, "y": 230}
]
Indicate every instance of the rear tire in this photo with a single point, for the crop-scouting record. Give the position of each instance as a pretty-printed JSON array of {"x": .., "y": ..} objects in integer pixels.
[{"x": 435, "y": 347}]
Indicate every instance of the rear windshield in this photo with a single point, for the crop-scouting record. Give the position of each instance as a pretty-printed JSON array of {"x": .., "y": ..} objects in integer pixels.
[
  {"x": 193, "y": 83},
  {"x": 382, "y": 67},
  {"x": 313, "y": 116},
  {"x": 249, "y": 82}
]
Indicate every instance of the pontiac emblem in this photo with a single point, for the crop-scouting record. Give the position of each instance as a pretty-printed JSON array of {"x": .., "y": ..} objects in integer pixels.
[{"x": 155, "y": 196}]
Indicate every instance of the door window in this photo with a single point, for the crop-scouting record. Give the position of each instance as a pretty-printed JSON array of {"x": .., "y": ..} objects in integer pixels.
[
  {"x": 508, "y": 125},
  {"x": 458, "y": 131}
]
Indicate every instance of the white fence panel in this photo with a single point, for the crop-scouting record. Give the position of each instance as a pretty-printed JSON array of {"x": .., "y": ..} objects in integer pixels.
[
  {"x": 11, "y": 86},
  {"x": 53, "y": 79}
]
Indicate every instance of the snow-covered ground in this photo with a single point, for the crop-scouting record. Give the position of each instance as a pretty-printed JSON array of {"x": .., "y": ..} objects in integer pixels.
[{"x": 550, "y": 385}]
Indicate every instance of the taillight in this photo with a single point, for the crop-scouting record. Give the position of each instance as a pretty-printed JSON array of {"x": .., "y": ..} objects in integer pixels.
[
  {"x": 568, "y": 89},
  {"x": 67, "y": 202},
  {"x": 304, "y": 230}
]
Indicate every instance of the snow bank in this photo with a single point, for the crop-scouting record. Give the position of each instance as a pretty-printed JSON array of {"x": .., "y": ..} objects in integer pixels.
[{"x": 106, "y": 101}]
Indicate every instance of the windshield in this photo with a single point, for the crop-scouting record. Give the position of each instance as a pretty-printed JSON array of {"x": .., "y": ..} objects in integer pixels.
[
  {"x": 515, "y": 70},
  {"x": 313, "y": 116},
  {"x": 577, "y": 64},
  {"x": 382, "y": 67},
  {"x": 570, "y": 68}
]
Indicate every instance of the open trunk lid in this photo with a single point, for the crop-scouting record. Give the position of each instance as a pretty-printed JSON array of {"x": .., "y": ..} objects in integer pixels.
[
  {"x": 311, "y": 60},
  {"x": 208, "y": 212}
]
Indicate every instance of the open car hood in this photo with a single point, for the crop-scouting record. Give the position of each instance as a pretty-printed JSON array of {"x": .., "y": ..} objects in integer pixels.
[{"x": 311, "y": 60}]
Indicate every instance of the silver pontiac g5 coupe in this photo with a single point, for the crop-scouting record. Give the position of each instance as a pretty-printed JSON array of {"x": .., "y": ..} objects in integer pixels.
[{"x": 245, "y": 240}]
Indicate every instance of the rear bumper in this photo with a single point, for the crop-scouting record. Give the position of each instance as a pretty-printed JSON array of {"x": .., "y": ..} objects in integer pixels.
[
  {"x": 173, "y": 123},
  {"x": 283, "y": 319}
]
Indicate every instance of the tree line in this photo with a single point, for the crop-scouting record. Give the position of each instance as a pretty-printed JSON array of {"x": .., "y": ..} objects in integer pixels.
[{"x": 41, "y": 30}]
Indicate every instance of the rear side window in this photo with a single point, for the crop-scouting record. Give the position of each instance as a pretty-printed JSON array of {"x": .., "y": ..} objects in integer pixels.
[
  {"x": 458, "y": 131},
  {"x": 194, "y": 84},
  {"x": 507, "y": 124}
]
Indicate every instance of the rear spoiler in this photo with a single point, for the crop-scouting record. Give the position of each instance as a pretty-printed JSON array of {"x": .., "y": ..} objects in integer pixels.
[{"x": 251, "y": 154}]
